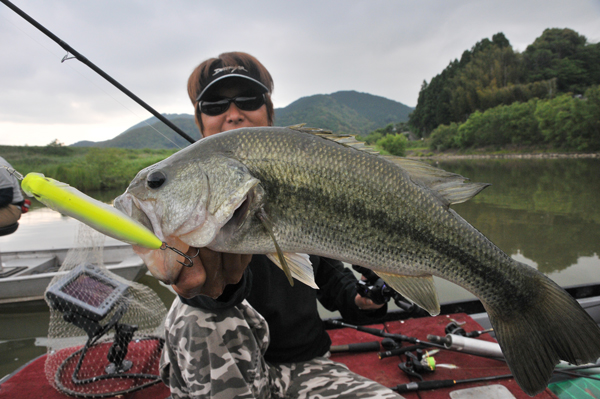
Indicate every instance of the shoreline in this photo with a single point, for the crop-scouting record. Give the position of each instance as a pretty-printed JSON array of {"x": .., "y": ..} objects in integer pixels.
[{"x": 507, "y": 156}]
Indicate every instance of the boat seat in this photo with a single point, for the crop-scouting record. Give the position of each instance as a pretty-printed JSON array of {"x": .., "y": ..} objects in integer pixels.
[
  {"x": 36, "y": 265},
  {"x": 11, "y": 228}
]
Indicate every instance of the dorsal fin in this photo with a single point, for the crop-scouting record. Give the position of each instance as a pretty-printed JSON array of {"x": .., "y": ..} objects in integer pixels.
[{"x": 450, "y": 187}]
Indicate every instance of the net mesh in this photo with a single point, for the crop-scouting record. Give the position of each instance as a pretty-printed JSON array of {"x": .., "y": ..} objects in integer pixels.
[{"x": 105, "y": 333}]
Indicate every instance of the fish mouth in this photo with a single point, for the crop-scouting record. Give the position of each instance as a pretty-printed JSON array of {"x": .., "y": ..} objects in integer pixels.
[
  {"x": 164, "y": 264},
  {"x": 131, "y": 206},
  {"x": 143, "y": 214}
]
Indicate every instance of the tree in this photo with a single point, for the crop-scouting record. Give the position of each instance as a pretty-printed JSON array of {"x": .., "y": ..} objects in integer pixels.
[
  {"x": 491, "y": 73},
  {"x": 455, "y": 93},
  {"x": 56, "y": 143},
  {"x": 500, "y": 40},
  {"x": 565, "y": 55}
]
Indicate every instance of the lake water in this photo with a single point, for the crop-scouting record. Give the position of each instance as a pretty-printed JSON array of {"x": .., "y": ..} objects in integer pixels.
[{"x": 543, "y": 212}]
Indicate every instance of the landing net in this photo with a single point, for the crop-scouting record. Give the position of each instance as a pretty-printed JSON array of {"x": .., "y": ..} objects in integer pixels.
[{"x": 105, "y": 335}]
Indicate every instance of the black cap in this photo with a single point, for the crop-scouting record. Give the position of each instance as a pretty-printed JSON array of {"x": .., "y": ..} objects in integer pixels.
[{"x": 236, "y": 71}]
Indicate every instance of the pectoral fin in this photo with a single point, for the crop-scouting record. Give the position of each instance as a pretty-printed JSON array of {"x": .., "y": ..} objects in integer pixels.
[
  {"x": 299, "y": 266},
  {"x": 420, "y": 290},
  {"x": 268, "y": 225}
]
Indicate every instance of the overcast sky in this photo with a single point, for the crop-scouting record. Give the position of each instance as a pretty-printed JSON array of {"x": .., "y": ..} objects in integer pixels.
[{"x": 382, "y": 47}]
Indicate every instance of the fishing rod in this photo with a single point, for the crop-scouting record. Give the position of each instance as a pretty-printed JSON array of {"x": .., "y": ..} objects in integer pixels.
[
  {"x": 471, "y": 349},
  {"x": 436, "y": 384},
  {"x": 384, "y": 334},
  {"x": 99, "y": 71}
]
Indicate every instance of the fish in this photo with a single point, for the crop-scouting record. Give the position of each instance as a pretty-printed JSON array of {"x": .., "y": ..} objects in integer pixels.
[
  {"x": 297, "y": 190},
  {"x": 104, "y": 218}
]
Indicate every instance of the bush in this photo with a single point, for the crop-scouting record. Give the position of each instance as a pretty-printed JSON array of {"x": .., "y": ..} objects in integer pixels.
[
  {"x": 565, "y": 121},
  {"x": 444, "y": 137},
  {"x": 572, "y": 123},
  {"x": 395, "y": 144}
]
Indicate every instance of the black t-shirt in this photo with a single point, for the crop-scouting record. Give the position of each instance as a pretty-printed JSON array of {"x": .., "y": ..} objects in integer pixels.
[{"x": 296, "y": 329}]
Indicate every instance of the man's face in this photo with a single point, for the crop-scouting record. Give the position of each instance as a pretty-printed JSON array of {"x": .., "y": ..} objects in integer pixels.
[{"x": 234, "y": 117}]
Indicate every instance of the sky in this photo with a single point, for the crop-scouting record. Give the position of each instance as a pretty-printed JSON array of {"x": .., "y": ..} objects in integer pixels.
[{"x": 382, "y": 47}]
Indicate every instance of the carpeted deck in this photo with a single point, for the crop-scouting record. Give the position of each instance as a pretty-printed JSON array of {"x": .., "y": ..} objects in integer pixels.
[{"x": 386, "y": 371}]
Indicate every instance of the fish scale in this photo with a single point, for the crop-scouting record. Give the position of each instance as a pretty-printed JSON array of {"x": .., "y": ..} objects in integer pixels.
[
  {"x": 309, "y": 191},
  {"x": 357, "y": 187}
]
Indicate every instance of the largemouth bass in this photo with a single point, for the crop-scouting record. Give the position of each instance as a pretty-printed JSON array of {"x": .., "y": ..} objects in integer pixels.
[{"x": 280, "y": 191}]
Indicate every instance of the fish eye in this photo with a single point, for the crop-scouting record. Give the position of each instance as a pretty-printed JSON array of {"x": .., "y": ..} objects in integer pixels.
[{"x": 156, "y": 179}]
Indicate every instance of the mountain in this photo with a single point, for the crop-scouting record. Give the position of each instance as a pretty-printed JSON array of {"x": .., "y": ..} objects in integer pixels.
[
  {"x": 151, "y": 133},
  {"x": 344, "y": 111}
]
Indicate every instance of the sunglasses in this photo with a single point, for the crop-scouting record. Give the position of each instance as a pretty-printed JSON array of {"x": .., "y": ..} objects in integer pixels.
[{"x": 214, "y": 108}]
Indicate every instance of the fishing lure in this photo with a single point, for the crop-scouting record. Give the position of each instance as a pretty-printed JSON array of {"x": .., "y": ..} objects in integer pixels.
[{"x": 102, "y": 217}]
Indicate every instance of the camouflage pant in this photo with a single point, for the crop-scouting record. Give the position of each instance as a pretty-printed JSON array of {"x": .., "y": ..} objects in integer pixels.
[{"x": 219, "y": 356}]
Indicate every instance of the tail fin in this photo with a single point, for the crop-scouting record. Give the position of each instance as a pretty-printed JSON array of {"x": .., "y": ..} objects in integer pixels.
[{"x": 553, "y": 328}]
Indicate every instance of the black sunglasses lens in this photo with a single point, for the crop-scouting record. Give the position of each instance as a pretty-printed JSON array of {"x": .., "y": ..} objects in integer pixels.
[
  {"x": 249, "y": 103},
  {"x": 214, "y": 108}
]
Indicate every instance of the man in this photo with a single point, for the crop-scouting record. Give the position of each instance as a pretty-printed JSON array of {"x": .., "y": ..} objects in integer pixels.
[
  {"x": 238, "y": 329},
  {"x": 11, "y": 197}
]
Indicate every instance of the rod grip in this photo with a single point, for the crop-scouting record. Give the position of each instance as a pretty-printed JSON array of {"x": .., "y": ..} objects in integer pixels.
[
  {"x": 358, "y": 347},
  {"x": 423, "y": 385}
]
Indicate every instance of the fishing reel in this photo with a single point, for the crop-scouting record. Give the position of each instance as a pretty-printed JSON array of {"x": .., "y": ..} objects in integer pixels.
[
  {"x": 378, "y": 291},
  {"x": 417, "y": 363}
]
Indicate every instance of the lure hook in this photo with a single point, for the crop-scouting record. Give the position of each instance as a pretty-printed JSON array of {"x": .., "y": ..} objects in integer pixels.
[{"x": 189, "y": 260}]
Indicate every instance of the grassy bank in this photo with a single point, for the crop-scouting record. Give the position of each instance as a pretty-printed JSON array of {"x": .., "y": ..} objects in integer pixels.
[
  {"x": 112, "y": 169},
  {"x": 421, "y": 149},
  {"x": 87, "y": 169}
]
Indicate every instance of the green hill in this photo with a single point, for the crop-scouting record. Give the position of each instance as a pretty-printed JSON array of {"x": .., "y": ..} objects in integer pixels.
[
  {"x": 151, "y": 133},
  {"x": 344, "y": 111},
  {"x": 493, "y": 74}
]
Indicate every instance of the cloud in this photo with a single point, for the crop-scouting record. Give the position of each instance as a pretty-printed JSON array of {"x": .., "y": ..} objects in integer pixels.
[{"x": 376, "y": 46}]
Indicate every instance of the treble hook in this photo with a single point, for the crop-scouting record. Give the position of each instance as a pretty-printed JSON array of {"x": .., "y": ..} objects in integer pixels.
[{"x": 189, "y": 260}]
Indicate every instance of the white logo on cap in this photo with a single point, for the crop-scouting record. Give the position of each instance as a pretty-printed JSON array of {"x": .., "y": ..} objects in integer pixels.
[{"x": 229, "y": 69}]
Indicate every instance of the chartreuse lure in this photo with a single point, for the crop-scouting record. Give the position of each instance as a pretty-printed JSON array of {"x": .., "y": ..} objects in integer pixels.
[{"x": 102, "y": 217}]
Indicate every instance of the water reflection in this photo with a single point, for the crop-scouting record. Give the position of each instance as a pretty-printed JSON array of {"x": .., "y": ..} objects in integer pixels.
[
  {"x": 544, "y": 211},
  {"x": 553, "y": 241}
]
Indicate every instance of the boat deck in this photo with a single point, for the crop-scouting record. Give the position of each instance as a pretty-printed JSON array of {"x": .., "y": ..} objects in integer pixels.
[
  {"x": 387, "y": 372},
  {"x": 30, "y": 381}
]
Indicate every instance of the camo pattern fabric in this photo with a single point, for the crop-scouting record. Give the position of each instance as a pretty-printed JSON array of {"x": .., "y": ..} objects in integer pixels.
[{"x": 220, "y": 356}]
